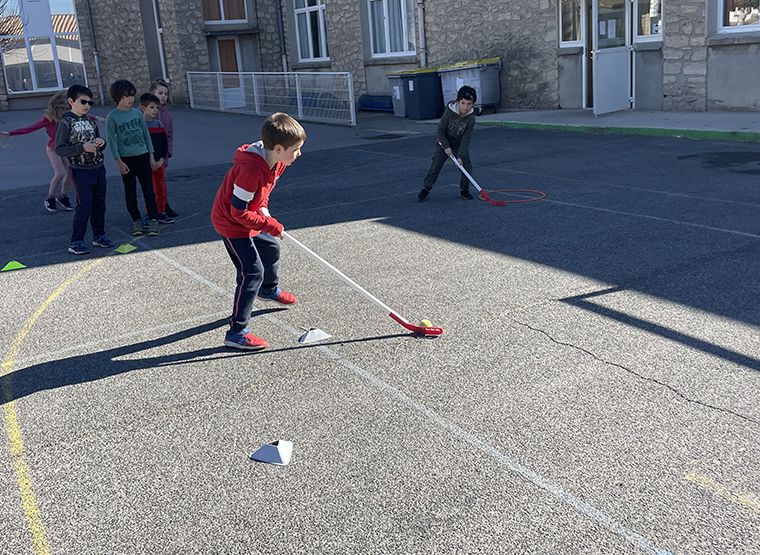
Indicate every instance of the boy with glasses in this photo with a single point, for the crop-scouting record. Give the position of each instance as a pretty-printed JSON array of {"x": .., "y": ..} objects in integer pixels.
[{"x": 77, "y": 138}]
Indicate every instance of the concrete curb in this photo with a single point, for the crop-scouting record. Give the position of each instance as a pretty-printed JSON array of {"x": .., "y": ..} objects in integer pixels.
[{"x": 735, "y": 136}]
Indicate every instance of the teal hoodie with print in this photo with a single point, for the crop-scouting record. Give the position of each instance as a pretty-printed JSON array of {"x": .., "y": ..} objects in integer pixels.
[{"x": 128, "y": 133}]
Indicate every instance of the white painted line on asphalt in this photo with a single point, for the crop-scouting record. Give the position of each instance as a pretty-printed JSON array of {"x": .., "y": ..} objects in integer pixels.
[
  {"x": 655, "y": 218},
  {"x": 583, "y": 181},
  {"x": 560, "y": 202},
  {"x": 576, "y": 503},
  {"x": 50, "y": 356},
  {"x": 626, "y": 187},
  {"x": 310, "y": 209}
]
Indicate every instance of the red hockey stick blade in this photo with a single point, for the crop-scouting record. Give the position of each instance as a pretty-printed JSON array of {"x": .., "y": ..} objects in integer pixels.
[
  {"x": 493, "y": 202},
  {"x": 420, "y": 330}
]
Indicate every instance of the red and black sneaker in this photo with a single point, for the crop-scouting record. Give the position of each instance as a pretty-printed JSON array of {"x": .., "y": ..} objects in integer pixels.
[
  {"x": 244, "y": 340},
  {"x": 279, "y": 295}
]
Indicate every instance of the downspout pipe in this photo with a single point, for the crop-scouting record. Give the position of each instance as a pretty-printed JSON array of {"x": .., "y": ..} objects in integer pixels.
[
  {"x": 421, "y": 32},
  {"x": 281, "y": 32},
  {"x": 99, "y": 76}
]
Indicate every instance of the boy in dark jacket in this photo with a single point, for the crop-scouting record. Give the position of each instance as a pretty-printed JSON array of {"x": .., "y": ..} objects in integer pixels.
[
  {"x": 250, "y": 234},
  {"x": 150, "y": 105},
  {"x": 453, "y": 137},
  {"x": 77, "y": 138}
]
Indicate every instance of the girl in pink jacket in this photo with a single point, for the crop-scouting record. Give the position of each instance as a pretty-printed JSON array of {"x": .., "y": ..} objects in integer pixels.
[{"x": 62, "y": 179}]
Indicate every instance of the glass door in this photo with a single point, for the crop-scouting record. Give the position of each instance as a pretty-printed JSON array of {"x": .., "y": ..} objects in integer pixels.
[{"x": 611, "y": 55}]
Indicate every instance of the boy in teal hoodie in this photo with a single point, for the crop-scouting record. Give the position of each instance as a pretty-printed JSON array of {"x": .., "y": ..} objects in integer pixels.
[{"x": 130, "y": 144}]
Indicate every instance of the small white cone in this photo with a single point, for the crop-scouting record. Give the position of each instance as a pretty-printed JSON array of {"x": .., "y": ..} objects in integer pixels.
[
  {"x": 278, "y": 452},
  {"x": 313, "y": 334}
]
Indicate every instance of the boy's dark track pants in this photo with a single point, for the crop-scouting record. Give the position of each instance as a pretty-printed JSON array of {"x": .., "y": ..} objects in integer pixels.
[{"x": 257, "y": 261}]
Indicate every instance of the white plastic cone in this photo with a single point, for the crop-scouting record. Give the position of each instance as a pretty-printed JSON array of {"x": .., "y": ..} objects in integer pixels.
[
  {"x": 312, "y": 335},
  {"x": 278, "y": 452}
]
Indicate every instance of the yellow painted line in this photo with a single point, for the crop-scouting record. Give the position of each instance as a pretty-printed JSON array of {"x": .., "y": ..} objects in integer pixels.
[
  {"x": 13, "y": 429},
  {"x": 745, "y": 500}
]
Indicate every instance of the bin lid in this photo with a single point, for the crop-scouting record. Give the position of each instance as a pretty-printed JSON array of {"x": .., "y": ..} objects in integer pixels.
[
  {"x": 467, "y": 64},
  {"x": 404, "y": 72}
]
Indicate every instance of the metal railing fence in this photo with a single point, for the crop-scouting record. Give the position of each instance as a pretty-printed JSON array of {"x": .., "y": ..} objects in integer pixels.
[{"x": 325, "y": 97}]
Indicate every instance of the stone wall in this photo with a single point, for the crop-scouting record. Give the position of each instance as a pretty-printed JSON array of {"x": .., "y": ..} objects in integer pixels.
[
  {"x": 185, "y": 46},
  {"x": 523, "y": 33},
  {"x": 119, "y": 39},
  {"x": 269, "y": 37},
  {"x": 344, "y": 41},
  {"x": 684, "y": 56}
]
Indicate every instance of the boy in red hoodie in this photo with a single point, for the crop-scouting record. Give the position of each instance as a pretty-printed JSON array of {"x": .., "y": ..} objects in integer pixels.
[{"x": 250, "y": 234}]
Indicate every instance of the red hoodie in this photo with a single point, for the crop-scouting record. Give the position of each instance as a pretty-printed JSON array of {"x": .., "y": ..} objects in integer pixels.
[{"x": 243, "y": 192}]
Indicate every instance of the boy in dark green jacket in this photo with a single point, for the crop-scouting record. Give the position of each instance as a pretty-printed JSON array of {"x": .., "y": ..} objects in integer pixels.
[{"x": 453, "y": 137}]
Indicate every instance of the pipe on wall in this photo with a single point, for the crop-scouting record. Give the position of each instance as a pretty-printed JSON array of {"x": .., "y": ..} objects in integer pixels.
[
  {"x": 98, "y": 74},
  {"x": 281, "y": 32},
  {"x": 160, "y": 38},
  {"x": 421, "y": 31}
]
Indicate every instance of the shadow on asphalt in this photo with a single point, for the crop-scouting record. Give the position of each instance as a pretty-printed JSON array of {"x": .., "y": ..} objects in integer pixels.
[
  {"x": 594, "y": 184},
  {"x": 89, "y": 367},
  {"x": 225, "y": 352},
  {"x": 78, "y": 369},
  {"x": 583, "y": 302}
]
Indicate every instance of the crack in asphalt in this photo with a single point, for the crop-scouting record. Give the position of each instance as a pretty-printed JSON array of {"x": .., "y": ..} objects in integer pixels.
[{"x": 638, "y": 375}]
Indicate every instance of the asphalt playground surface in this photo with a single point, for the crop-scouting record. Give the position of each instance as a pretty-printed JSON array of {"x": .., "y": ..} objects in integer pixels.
[{"x": 595, "y": 391}]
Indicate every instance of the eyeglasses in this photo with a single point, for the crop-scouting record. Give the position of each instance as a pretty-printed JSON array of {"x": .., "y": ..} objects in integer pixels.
[{"x": 84, "y": 102}]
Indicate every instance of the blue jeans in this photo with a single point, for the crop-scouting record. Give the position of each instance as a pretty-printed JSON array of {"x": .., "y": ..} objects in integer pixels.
[
  {"x": 91, "y": 202},
  {"x": 257, "y": 261}
]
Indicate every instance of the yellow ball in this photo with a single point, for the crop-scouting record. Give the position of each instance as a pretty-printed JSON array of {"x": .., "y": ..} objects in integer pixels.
[{"x": 426, "y": 323}]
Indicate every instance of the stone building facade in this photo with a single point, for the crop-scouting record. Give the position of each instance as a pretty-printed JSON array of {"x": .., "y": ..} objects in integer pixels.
[
  {"x": 670, "y": 54},
  {"x": 526, "y": 44},
  {"x": 150, "y": 40},
  {"x": 489, "y": 29}
]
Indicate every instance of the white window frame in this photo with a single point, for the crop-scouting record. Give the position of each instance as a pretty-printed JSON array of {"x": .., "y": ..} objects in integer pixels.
[
  {"x": 569, "y": 43},
  {"x": 652, "y": 37},
  {"x": 222, "y": 20},
  {"x": 727, "y": 29},
  {"x": 27, "y": 38},
  {"x": 307, "y": 10},
  {"x": 386, "y": 28}
]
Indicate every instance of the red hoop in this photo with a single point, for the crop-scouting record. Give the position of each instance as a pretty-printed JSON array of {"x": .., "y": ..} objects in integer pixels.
[{"x": 484, "y": 195}]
